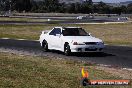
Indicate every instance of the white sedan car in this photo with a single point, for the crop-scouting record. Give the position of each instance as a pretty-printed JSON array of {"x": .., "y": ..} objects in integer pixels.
[{"x": 70, "y": 39}]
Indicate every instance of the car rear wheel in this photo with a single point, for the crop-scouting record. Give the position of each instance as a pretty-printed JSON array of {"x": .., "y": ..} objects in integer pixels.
[
  {"x": 45, "y": 46},
  {"x": 67, "y": 50}
]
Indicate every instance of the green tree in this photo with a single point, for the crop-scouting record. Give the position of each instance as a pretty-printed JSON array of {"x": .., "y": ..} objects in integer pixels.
[
  {"x": 87, "y": 7},
  {"x": 4, "y": 5},
  {"x": 123, "y": 9},
  {"x": 102, "y": 8},
  {"x": 129, "y": 8},
  {"x": 117, "y": 10},
  {"x": 21, "y": 5}
]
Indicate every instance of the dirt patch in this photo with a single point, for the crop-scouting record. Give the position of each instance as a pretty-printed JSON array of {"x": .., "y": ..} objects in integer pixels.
[{"x": 123, "y": 73}]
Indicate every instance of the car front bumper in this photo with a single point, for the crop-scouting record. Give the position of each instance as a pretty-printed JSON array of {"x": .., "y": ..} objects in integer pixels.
[{"x": 87, "y": 48}]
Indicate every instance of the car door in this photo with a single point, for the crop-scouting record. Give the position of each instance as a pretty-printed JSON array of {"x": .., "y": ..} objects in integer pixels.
[{"x": 55, "y": 38}]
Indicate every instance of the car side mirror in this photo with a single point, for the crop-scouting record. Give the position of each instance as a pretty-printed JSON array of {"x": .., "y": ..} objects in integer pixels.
[
  {"x": 58, "y": 35},
  {"x": 89, "y": 34},
  {"x": 42, "y": 32}
]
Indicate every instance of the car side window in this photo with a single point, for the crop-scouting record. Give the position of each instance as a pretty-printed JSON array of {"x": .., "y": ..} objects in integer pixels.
[{"x": 55, "y": 31}]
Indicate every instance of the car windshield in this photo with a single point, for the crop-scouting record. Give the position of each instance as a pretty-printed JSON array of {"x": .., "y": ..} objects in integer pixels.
[{"x": 74, "y": 32}]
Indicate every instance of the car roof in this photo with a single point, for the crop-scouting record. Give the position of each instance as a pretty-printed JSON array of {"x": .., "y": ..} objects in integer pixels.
[
  {"x": 71, "y": 27},
  {"x": 66, "y": 27}
]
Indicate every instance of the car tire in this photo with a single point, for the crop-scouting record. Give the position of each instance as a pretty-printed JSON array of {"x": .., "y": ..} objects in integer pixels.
[
  {"x": 67, "y": 50},
  {"x": 45, "y": 46}
]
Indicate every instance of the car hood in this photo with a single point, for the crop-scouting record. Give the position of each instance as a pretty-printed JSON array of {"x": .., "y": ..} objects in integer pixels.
[{"x": 82, "y": 39}]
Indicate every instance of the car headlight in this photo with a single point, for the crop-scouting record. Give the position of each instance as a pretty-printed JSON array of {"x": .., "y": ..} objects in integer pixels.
[{"x": 78, "y": 43}]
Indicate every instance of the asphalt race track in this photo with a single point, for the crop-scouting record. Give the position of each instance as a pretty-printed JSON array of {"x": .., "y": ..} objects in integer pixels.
[
  {"x": 54, "y": 22},
  {"x": 62, "y": 20},
  {"x": 120, "y": 56}
]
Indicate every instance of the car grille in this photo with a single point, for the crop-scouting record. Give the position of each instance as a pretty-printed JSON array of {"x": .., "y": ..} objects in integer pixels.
[
  {"x": 90, "y": 43},
  {"x": 87, "y": 49}
]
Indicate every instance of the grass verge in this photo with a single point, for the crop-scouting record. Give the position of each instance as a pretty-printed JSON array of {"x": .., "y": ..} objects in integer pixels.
[
  {"x": 41, "y": 72},
  {"x": 109, "y": 33}
]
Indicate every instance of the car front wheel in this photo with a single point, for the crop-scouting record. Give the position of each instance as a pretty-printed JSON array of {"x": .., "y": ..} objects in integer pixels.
[{"x": 45, "y": 46}]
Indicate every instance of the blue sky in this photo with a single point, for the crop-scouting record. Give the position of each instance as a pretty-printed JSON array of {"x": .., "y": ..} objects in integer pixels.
[{"x": 111, "y": 1}]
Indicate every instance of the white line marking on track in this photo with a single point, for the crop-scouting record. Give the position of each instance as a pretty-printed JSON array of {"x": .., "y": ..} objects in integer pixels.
[{"x": 18, "y": 39}]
